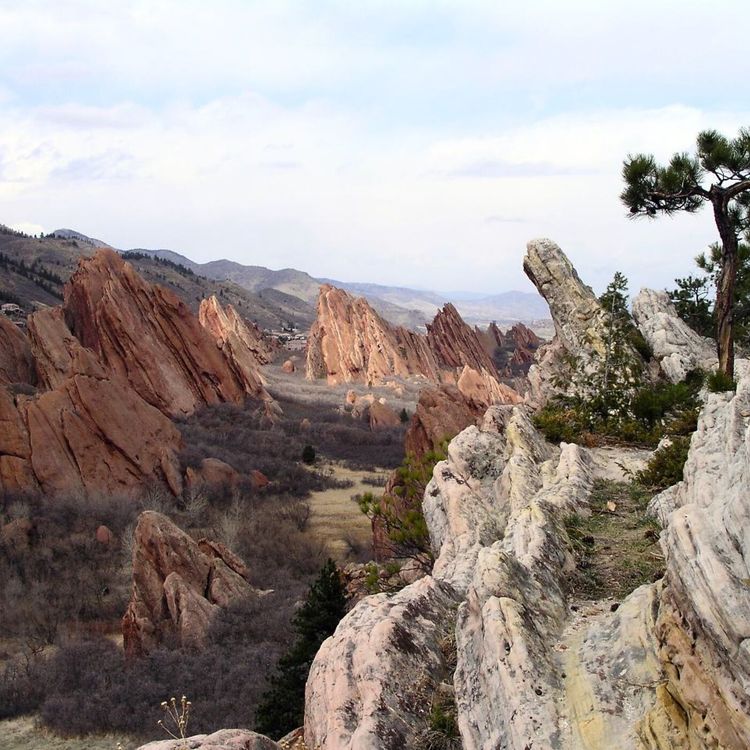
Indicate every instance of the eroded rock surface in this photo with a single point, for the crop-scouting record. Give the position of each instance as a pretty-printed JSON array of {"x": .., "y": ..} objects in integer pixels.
[
  {"x": 704, "y": 619},
  {"x": 580, "y": 321},
  {"x": 149, "y": 337},
  {"x": 16, "y": 362},
  {"x": 350, "y": 342},
  {"x": 178, "y": 586},
  {"x": 678, "y": 347},
  {"x": 224, "y": 739},
  {"x": 243, "y": 343}
]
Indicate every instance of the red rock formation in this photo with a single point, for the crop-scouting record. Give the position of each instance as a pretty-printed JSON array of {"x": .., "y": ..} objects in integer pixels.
[
  {"x": 148, "y": 336},
  {"x": 350, "y": 342},
  {"x": 243, "y": 343},
  {"x": 16, "y": 362},
  {"x": 97, "y": 434},
  {"x": 58, "y": 354},
  {"x": 382, "y": 416},
  {"x": 178, "y": 586},
  {"x": 79, "y": 435},
  {"x": 455, "y": 344}
]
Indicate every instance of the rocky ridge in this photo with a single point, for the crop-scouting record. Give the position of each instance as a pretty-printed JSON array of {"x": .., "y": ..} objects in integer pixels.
[
  {"x": 663, "y": 670},
  {"x": 118, "y": 352}
]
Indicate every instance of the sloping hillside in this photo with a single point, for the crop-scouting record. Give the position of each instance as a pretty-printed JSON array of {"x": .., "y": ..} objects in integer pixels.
[{"x": 33, "y": 271}]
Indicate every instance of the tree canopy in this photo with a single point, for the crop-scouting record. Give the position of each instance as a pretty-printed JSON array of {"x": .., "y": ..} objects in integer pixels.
[{"x": 719, "y": 174}]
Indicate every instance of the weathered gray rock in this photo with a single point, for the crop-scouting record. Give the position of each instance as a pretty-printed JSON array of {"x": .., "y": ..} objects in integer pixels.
[
  {"x": 580, "y": 322},
  {"x": 704, "y": 619},
  {"x": 678, "y": 347},
  {"x": 225, "y": 739}
]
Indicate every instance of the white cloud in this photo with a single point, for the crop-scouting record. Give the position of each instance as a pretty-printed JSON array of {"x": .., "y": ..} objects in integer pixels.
[{"x": 419, "y": 143}]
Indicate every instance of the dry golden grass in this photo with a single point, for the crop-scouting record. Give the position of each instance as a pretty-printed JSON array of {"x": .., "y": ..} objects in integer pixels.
[
  {"x": 337, "y": 520},
  {"x": 24, "y": 734}
]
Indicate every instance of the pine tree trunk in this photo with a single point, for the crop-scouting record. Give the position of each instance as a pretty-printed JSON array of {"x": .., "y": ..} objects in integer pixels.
[{"x": 725, "y": 288}]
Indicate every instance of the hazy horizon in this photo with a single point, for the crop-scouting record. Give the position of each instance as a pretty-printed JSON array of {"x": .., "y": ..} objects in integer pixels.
[{"x": 413, "y": 144}]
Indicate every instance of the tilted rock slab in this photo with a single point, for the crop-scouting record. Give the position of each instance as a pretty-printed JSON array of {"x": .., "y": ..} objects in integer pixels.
[
  {"x": 580, "y": 321},
  {"x": 350, "y": 342},
  {"x": 243, "y": 342},
  {"x": 78, "y": 436},
  {"x": 678, "y": 347},
  {"x": 148, "y": 336},
  {"x": 178, "y": 586}
]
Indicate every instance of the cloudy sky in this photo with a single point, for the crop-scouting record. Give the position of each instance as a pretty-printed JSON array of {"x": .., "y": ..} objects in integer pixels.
[{"x": 403, "y": 142}]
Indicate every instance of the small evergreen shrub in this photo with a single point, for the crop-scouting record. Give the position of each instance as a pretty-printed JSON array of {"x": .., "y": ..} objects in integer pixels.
[
  {"x": 666, "y": 465},
  {"x": 720, "y": 382}
]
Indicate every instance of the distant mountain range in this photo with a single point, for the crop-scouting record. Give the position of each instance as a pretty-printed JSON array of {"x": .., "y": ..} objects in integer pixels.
[{"x": 401, "y": 305}]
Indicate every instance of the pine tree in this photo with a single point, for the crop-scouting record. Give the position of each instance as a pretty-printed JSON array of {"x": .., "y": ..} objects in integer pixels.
[
  {"x": 718, "y": 174},
  {"x": 283, "y": 705}
]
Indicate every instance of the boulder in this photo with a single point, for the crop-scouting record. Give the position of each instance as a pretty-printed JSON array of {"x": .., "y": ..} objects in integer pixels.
[
  {"x": 289, "y": 367},
  {"x": 178, "y": 586},
  {"x": 16, "y": 361},
  {"x": 382, "y": 416},
  {"x": 103, "y": 535},
  {"x": 677, "y": 347},
  {"x": 224, "y": 739}
]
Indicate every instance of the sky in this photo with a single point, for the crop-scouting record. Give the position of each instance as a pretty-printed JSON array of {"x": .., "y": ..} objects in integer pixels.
[{"x": 407, "y": 143}]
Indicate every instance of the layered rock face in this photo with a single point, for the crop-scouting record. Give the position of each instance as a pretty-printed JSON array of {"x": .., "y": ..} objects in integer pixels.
[
  {"x": 350, "y": 342},
  {"x": 149, "y": 337},
  {"x": 455, "y": 344},
  {"x": 78, "y": 435},
  {"x": 242, "y": 343},
  {"x": 703, "y": 622},
  {"x": 178, "y": 586},
  {"x": 666, "y": 671},
  {"x": 678, "y": 347}
]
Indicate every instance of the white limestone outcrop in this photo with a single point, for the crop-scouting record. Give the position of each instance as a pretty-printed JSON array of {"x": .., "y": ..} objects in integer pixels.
[{"x": 678, "y": 347}]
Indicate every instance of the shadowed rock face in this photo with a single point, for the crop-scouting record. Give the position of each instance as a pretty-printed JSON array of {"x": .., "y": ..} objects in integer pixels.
[
  {"x": 149, "y": 337},
  {"x": 178, "y": 586},
  {"x": 16, "y": 362},
  {"x": 456, "y": 344}
]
